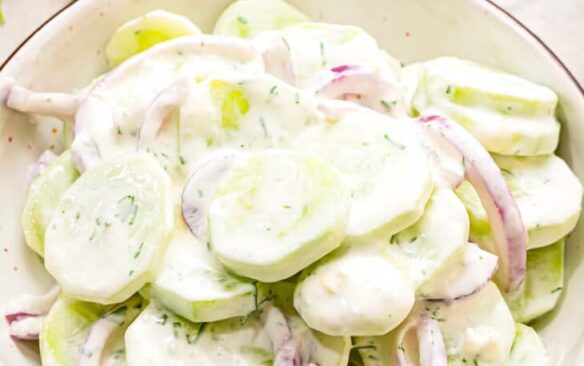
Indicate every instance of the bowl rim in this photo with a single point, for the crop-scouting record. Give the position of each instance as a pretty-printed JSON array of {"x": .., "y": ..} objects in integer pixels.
[{"x": 494, "y": 6}]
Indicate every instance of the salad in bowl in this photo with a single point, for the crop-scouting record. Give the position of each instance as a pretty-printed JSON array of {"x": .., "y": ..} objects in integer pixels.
[{"x": 285, "y": 192}]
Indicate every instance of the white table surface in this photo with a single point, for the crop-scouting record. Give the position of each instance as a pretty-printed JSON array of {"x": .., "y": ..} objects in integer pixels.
[{"x": 560, "y": 23}]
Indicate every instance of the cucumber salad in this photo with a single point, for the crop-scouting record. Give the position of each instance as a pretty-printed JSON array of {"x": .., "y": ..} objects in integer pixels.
[{"x": 284, "y": 192}]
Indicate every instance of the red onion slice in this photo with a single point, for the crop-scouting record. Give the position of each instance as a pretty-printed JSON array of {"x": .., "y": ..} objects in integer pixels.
[
  {"x": 422, "y": 332},
  {"x": 504, "y": 216},
  {"x": 25, "y": 313},
  {"x": 98, "y": 336},
  {"x": 94, "y": 121},
  {"x": 47, "y": 104},
  {"x": 431, "y": 343},
  {"x": 212, "y": 45},
  {"x": 472, "y": 270},
  {"x": 168, "y": 101},
  {"x": 286, "y": 347},
  {"x": 27, "y": 328},
  {"x": 445, "y": 160},
  {"x": 363, "y": 86},
  {"x": 200, "y": 187},
  {"x": 278, "y": 61},
  {"x": 30, "y": 305}
]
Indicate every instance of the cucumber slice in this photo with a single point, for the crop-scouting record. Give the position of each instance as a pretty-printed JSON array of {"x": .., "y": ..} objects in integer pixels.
[
  {"x": 547, "y": 193},
  {"x": 109, "y": 119},
  {"x": 465, "y": 273},
  {"x": 110, "y": 229},
  {"x": 507, "y": 114},
  {"x": 43, "y": 197},
  {"x": 528, "y": 349},
  {"x": 477, "y": 330},
  {"x": 248, "y": 18},
  {"x": 317, "y": 47},
  {"x": 428, "y": 244},
  {"x": 543, "y": 283},
  {"x": 194, "y": 285},
  {"x": 139, "y": 34},
  {"x": 237, "y": 111},
  {"x": 68, "y": 324},
  {"x": 383, "y": 161},
  {"x": 277, "y": 212},
  {"x": 158, "y": 337},
  {"x": 358, "y": 290}
]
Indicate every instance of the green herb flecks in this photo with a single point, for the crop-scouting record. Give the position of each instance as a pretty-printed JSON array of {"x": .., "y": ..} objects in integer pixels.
[
  {"x": 286, "y": 43},
  {"x": 507, "y": 172},
  {"x": 139, "y": 251},
  {"x": 273, "y": 93},
  {"x": 363, "y": 347},
  {"x": 388, "y": 105},
  {"x": 393, "y": 142},
  {"x": 162, "y": 320},
  {"x": 557, "y": 289},
  {"x": 193, "y": 338},
  {"x": 263, "y": 125}
]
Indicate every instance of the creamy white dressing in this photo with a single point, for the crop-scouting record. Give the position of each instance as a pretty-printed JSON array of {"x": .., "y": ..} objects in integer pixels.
[{"x": 234, "y": 110}]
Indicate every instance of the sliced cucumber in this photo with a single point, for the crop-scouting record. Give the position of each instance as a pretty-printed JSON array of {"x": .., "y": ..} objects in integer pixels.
[
  {"x": 428, "y": 244},
  {"x": 158, "y": 337},
  {"x": 237, "y": 111},
  {"x": 528, "y": 349},
  {"x": 507, "y": 114},
  {"x": 465, "y": 273},
  {"x": 68, "y": 324},
  {"x": 547, "y": 193},
  {"x": 383, "y": 161},
  {"x": 277, "y": 212},
  {"x": 543, "y": 283},
  {"x": 43, "y": 197},
  {"x": 317, "y": 47},
  {"x": 194, "y": 285},
  {"x": 477, "y": 330},
  {"x": 248, "y": 18},
  {"x": 110, "y": 229},
  {"x": 141, "y": 33},
  {"x": 358, "y": 290}
]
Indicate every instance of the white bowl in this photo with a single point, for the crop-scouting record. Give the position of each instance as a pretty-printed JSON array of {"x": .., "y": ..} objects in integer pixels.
[{"x": 68, "y": 52}]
